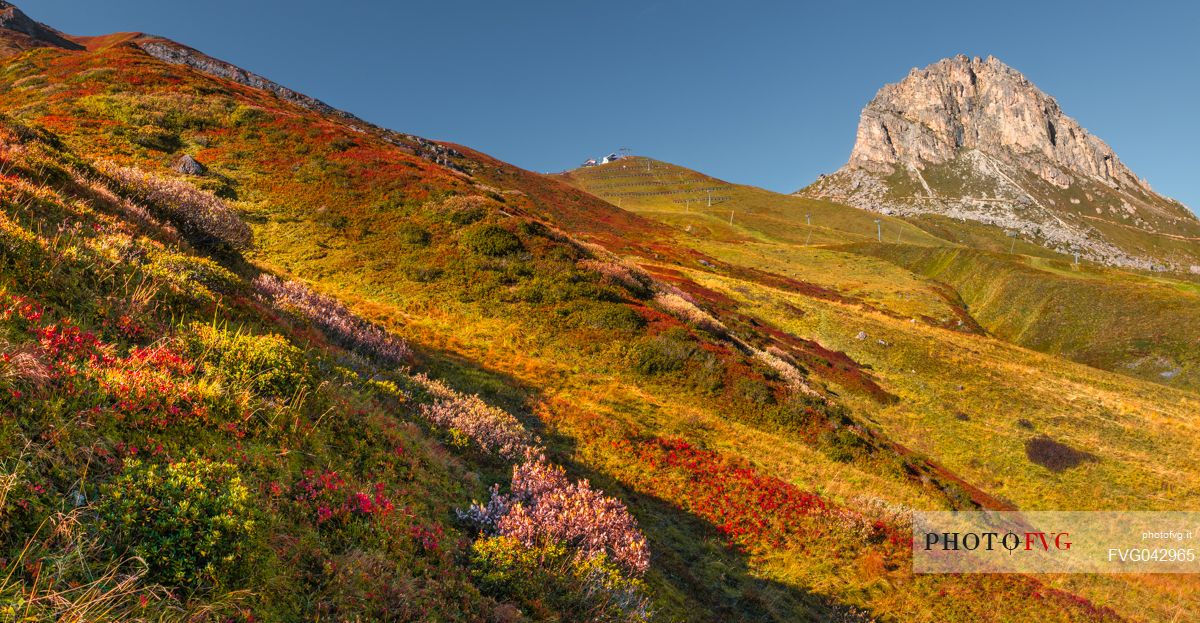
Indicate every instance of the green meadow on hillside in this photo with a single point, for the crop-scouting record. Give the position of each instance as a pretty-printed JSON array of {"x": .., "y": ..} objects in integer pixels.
[
  {"x": 681, "y": 197},
  {"x": 1141, "y": 326},
  {"x": 338, "y": 338},
  {"x": 944, "y": 271}
]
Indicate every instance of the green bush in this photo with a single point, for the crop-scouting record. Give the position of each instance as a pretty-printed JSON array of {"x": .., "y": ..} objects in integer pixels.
[
  {"x": 468, "y": 215},
  {"x": 491, "y": 240},
  {"x": 676, "y": 351},
  {"x": 611, "y": 316},
  {"x": 803, "y": 411},
  {"x": 755, "y": 392},
  {"x": 842, "y": 445},
  {"x": 342, "y": 143},
  {"x": 549, "y": 288},
  {"x": 663, "y": 354},
  {"x": 958, "y": 497},
  {"x": 551, "y": 584},
  {"x": 792, "y": 415},
  {"x": 189, "y": 520},
  {"x": 247, "y": 115},
  {"x": 154, "y": 137},
  {"x": 267, "y": 364},
  {"x": 411, "y": 234},
  {"x": 707, "y": 372},
  {"x": 188, "y": 271},
  {"x": 218, "y": 185},
  {"x": 21, "y": 255},
  {"x": 534, "y": 228}
]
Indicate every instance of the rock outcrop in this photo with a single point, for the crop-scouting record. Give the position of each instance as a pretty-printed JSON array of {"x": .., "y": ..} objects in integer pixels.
[
  {"x": 973, "y": 139},
  {"x": 179, "y": 54},
  {"x": 961, "y": 103},
  {"x": 188, "y": 165},
  {"x": 19, "y": 33}
]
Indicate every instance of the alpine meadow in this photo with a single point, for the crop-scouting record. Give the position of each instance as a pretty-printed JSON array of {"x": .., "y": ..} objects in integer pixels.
[{"x": 264, "y": 360}]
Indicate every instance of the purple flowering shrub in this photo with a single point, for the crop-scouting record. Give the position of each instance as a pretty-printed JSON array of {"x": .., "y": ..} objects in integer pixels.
[
  {"x": 198, "y": 214},
  {"x": 545, "y": 508},
  {"x": 492, "y": 429},
  {"x": 335, "y": 320}
]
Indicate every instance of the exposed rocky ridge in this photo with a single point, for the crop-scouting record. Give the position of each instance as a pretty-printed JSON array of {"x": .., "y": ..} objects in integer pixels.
[
  {"x": 179, "y": 54},
  {"x": 974, "y": 140},
  {"x": 19, "y": 33}
]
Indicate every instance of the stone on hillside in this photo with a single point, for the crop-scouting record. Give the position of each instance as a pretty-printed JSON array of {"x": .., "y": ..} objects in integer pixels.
[{"x": 189, "y": 166}]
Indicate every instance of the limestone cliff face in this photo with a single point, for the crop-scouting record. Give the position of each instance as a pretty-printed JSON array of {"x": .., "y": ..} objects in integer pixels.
[
  {"x": 966, "y": 103},
  {"x": 972, "y": 139}
]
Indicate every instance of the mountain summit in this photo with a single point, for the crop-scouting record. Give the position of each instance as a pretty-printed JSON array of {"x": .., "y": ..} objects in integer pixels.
[
  {"x": 974, "y": 139},
  {"x": 964, "y": 103}
]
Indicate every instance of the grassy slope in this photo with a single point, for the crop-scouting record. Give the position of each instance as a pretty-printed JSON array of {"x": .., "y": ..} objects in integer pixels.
[
  {"x": 480, "y": 323},
  {"x": 679, "y": 197},
  {"x": 1140, "y": 326},
  {"x": 382, "y": 195},
  {"x": 1008, "y": 294},
  {"x": 970, "y": 401},
  {"x": 123, "y": 342},
  {"x": 770, "y": 231},
  {"x": 1140, "y": 223},
  {"x": 1115, "y": 320}
]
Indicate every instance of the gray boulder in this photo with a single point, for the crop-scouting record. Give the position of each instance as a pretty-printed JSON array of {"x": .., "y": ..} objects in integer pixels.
[{"x": 189, "y": 166}]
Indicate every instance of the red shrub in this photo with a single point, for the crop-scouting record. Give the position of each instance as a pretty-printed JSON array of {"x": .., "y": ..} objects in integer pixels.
[
  {"x": 747, "y": 507},
  {"x": 327, "y": 495}
]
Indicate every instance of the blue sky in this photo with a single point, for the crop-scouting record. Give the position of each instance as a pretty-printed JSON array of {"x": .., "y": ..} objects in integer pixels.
[{"x": 764, "y": 93}]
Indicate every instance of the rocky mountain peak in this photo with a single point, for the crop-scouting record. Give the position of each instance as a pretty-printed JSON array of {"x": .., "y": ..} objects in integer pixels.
[
  {"x": 973, "y": 139},
  {"x": 960, "y": 104}
]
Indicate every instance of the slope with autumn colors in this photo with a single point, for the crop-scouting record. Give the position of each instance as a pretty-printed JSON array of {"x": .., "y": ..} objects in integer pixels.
[
  {"x": 935, "y": 269},
  {"x": 767, "y": 455}
]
